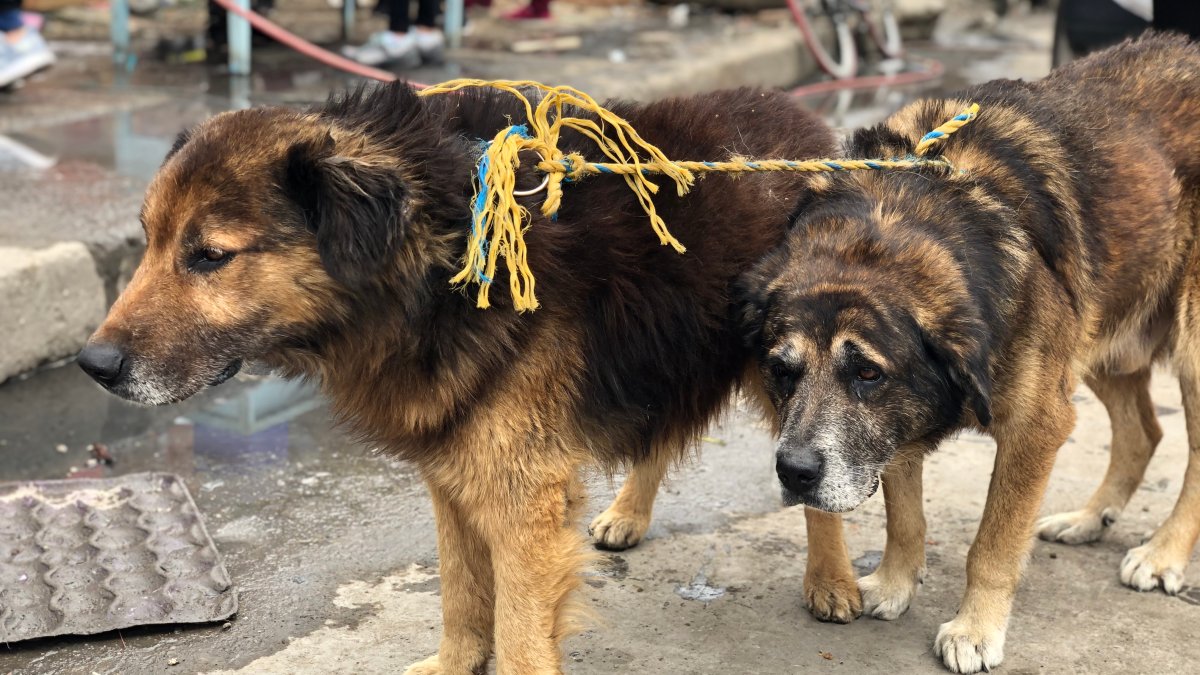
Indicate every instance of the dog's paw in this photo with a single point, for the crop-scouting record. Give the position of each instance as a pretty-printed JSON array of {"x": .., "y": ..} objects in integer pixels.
[
  {"x": 1076, "y": 527},
  {"x": 615, "y": 530},
  {"x": 1149, "y": 566},
  {"x": 965, "y": 648},
  {"x": 832, "y": 599},
  {"x": 887, "y": 596},
  {"x": 430, "y": 666}
]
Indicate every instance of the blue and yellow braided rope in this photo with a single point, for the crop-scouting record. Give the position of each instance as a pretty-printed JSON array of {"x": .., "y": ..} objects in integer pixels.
[
  {"x": 497, "y": 227},
  {"x": 943, "y": 132}
]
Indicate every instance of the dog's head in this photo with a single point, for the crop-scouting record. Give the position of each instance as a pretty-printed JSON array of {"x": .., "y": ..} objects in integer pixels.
[
  {"x": 259, "y": 225},
  {"x": 864, "y": 347}
]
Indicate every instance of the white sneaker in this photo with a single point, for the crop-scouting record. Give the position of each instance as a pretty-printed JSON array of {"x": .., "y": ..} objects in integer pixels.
[
  {"x": 386, "y": 47},
  {"x": 431, "y": 44},
  {"x": 24, "y": 57}
]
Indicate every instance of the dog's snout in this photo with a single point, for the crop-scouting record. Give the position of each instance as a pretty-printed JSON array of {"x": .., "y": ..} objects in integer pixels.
[
  {"x": 104, "y": 362},
  {"x": 798, "y": 471}
]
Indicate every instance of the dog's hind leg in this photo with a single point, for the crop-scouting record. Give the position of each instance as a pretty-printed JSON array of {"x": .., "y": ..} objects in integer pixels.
[
  {"x": 887, "y": 591},
  {"x": 1161, "y": 561},
  {"x": 537, "y": 557},
  {"x": 1027, "y": 440},
  {"x": 624, "y": 523},
  {"x": 830, "y": 591},
  {"x": 468, "y": 594},
  {"x": 1135, "y": 435}
]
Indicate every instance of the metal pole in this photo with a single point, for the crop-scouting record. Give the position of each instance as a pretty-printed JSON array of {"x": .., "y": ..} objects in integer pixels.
[
  {"x": 118, "y": 29},
  {"x": 348, "y": 7},
  {"x": 239, "y": 40},
  {"x": 454, "y": 23}
]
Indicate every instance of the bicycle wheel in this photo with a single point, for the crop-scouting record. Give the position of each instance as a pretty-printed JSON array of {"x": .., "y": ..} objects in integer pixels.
[
  {"x": 880, "y": 18},
  {"x": 823, "y": 22}
]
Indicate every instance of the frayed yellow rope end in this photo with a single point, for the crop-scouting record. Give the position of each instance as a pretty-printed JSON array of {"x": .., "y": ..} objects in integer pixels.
[{"x": 498, "y": 221}]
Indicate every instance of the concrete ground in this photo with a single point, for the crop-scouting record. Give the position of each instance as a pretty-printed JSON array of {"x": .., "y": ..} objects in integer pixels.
[{"x": 332, "y": 547}]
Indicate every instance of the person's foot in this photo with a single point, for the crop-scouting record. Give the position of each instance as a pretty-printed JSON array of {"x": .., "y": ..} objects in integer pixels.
[
  {"x": 386, "y": 47},
  {"x": 528, "y": 13},
  {"x": 23, "y": 56},
  {"x": 431, "y": 44}
]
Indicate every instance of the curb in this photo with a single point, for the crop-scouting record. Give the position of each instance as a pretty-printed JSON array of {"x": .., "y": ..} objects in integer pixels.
[
  {"x": 766, "y": 57},
  {"x": 775, "y": 59},
  {"x": 53, "y": 300}
]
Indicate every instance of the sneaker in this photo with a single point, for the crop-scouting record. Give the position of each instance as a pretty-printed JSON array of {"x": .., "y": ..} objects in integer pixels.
[
  {"x": 386, "y": 47},
  {"x": 527, "y": 13},
  {"x": 431, "y": 44},
  {"x": 24, "y": 57}
]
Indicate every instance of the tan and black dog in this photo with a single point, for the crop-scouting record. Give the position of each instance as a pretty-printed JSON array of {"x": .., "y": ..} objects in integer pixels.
[
  {"x": 322, "y": 243},
  {"x": 906, "y": 306}
]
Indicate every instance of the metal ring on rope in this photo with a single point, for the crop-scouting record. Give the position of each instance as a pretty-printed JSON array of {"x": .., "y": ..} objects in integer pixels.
[{"x": 534, "y": 191}]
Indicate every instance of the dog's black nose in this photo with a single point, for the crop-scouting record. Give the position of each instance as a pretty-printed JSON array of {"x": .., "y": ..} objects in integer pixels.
[
  {"x": 103, "y": 361},
  {"x": 798, "y": 471}
]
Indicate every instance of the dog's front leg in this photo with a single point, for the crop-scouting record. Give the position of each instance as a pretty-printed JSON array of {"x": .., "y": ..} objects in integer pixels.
[
  {"x": 1025, "y": 450},
  {"x": 830, "y": 592},
  {"x": 888, "y": 591},
  {"x": 468, "y": 594}
]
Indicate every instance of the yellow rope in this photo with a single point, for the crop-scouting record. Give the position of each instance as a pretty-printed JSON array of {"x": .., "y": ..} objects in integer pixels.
[
  {"x": 497, "y": 228},
  {"x": 584, "y": 169},
  {"x": 943, "y": 132}
]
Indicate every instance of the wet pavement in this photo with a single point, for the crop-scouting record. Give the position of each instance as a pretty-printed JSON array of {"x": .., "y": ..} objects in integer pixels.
[{"x": 332, "y": 547}]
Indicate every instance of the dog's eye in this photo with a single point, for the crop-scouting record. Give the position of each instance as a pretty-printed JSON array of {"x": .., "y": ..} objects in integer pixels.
[
  {"x": 785, "y": 376},
  {"x": 869, "y": 374},
  {"x": 208, "y": 259}
]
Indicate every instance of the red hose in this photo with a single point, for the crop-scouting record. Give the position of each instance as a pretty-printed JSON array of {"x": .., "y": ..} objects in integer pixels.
[
  {"x": 309, "y": 49},
  {"x": 810, "y": 40},
  {"x": 933, "y": 70}
]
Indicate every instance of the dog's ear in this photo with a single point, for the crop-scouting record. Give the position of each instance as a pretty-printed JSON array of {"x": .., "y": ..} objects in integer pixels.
[
  {"x": 357, "y": 209},
  {"x": 965, "y": 363},
  {"x": 751, "y": 298},
  {"x": 180, "y": 141},
  {"x": 971, "y": 377}
]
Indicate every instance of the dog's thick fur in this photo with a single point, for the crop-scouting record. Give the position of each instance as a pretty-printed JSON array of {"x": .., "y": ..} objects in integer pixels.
[
  {"x": 322, "y": 244},
  {"x": 905, "y": 307}
]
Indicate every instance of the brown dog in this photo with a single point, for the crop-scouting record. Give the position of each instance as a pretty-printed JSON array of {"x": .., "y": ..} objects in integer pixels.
[
  {"x": 905, "y": 307},
  {"x": 322, "y": 243}
]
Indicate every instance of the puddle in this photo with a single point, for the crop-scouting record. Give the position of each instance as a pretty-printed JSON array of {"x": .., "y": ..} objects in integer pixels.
[{"x": 127, "y": 143}]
